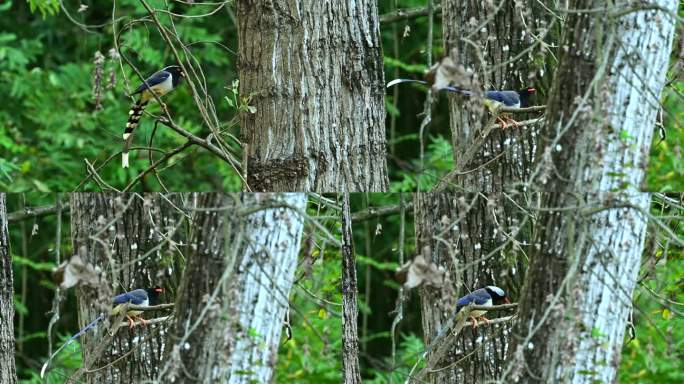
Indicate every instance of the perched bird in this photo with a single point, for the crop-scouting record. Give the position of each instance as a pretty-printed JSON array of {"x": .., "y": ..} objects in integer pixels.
[
  {"x": 160, "y": 84},
  {"x": 489, "y": 295},
  {"x": 494, "y": 99},
  {"x": 140, "y": 297}
]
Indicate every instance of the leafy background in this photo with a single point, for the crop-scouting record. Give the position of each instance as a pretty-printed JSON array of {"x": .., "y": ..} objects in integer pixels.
[
  {"x": 313, "y": 355},
  {"x": 50, "y": 121}
]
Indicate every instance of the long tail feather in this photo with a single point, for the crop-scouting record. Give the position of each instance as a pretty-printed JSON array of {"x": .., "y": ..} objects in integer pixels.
[
  {"x": 134, "y": 116},
  {"x": 400, "y": 81},
  {"x": 448, "y": 88},
  {"x": 71, "y": 339}
]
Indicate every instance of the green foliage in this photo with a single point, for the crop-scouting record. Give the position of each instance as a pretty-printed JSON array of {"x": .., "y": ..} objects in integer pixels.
[
  {"x": 410, "y": 349},
  {"x": 46, "y": 7},
  {"x": 657, "y": 353},
  {"x": 666, "y": 164},
  {"x": 313, "y": 353},
  {"x": 52, "y": 119},
  {"x": 36, "y": 266},
  {"x": 439, "y": 160},
  {"x": 63, "y": 365}
]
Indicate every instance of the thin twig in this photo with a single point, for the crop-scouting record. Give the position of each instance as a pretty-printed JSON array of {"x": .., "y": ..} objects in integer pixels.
[
  {"x": 407, "y": 14},
  {"x": 35, "y": 212},
  {"x": 372, "y": 212}
]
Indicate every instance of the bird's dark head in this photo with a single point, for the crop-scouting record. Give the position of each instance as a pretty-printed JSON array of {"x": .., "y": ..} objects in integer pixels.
[
  {"x": 498, "y": 295},
  {"x": 525, "y": 94},
  {"x": 175, "y": 70},
  {"x": 154, "y": 293},
  {"x": 176, "y": 73}
]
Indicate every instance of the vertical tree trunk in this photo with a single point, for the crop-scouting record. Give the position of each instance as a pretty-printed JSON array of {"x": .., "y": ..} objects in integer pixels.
[
  {"x": 8, "y": 372},
  {"x": 457, "y": 232},
  {"x": 500, "y": 32},
  {"x": 350, "y": 334},
  {"x": 115, "y": 233},
  {"x": 578, "y": 291},
  {"x": 602, "y": 143},
  {"x": 235, "y": 289},
  {"x": 313, "y": 71},
  {"x": 198, "y": 334},
  {"x": 490, "y": 164}
]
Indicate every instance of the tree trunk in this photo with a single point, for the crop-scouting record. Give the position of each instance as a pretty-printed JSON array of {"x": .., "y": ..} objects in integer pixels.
[
  {"x": 313, "y": 70},
  {"x": 503, "y": 157},
  {"x": 115, "y": 233},
  {"x": 490, "y": 164},
  {"x": 350, "y": 334},
  {"x": 463, "y": 230},
  {"x": 577, "y": 295},
  {"x": 235, "y": 290},
  {"x": 602, "y": 144},
  {"x": 8, "y": 372}
]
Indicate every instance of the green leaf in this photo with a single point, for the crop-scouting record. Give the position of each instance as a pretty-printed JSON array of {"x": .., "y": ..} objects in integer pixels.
[
  {"x": 37, "y": 266},
  {"x": 387, "y": 266},
  {"x": 19, "y": 307}
]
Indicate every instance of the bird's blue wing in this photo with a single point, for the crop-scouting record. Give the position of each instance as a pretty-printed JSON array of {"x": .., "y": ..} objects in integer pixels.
[
  {"x": 507, "y": 98},
  {"x": 136, "y": 297},
  {"x": 465, "y": 300},
  {"x": 496, "y": 96},
  {"x": 153, "y": 80},
  {"x": 122, "y": 298},
  {"x": 479, "y": 297}
]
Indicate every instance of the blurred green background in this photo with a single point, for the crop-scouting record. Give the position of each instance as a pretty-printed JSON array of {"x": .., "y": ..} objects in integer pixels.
[
  {"x": 62, "y": 105},
  {"x": 656, "y": 355}
]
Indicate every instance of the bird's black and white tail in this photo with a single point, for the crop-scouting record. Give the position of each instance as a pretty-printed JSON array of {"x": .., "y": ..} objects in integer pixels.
[
  {"x": 447, "y": 88},
  {"x": 71, "y": 339},
  {"x": 134, "y": 116}
]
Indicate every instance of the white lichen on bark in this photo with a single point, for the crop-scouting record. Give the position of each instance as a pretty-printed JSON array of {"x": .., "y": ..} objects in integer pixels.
[{"x": 268, "y": 269}]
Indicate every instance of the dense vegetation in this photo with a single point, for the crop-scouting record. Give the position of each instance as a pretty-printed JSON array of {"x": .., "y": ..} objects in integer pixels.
[
  {"x": 66, "y": 87},
  {"x": 313, "y": 353},
  {"x": 65, "y": 103}
]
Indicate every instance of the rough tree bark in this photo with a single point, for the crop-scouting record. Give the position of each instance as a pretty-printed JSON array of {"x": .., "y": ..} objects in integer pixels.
[
  {"x": 350, "y": 334},
  {"x": 114, "y": 232},
  {"x": 8, "y": 372},
  {"x": 457, "y": 232},
  {"x": 487, "y": 37},
  {"x": 313, "y": 70},
  {"x": 578, "y": 291},
  {"x": 235, "y": 289}
]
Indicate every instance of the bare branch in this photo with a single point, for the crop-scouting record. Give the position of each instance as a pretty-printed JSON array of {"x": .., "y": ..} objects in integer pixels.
[
  {"x": 372, "y": 212},
  {"x": 34, "y": 212},
  {"x": 407, "y": 14}
]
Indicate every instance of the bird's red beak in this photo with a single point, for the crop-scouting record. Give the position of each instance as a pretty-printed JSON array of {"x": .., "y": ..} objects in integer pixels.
[
  {"x": 159, "y": 290},
  {"x": 506, "y": 300},
  {"x": 531, "y": 90}
]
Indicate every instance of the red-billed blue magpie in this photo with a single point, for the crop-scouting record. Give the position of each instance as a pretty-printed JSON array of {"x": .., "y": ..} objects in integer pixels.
[
  {"x": 512, "y": 99},
  {"x": 141, "y": 297},
  {"x": 160, "y": 84},
  {"x": 493, "y": 99},
  {"x": 489, "y": 295}
]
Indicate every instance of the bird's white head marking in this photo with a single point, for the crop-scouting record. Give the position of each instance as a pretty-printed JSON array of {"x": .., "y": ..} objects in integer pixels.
[{"x": 500, "y": 292}]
